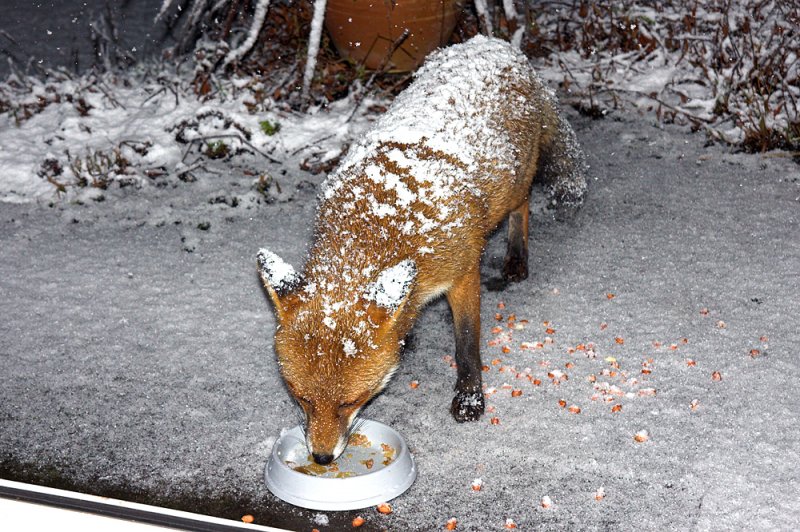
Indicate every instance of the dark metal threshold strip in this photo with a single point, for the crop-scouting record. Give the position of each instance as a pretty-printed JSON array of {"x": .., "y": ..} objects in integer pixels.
[{"x": 118, "y": 509}]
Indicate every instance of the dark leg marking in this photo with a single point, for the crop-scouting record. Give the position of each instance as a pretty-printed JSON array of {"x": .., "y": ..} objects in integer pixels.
[{"x": 465, "y": 303}]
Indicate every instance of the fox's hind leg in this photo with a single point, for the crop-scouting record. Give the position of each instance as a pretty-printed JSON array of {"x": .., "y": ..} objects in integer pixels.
[
  {"x": 465, "y": 303},
  {"x": 515, "y": 266}
]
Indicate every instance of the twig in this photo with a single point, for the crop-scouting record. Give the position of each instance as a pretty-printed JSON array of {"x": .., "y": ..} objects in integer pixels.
[
  {"x": 11, "y": 57},
  {"x": 484, "y": 17},
  {"x": 384, "y": 63},
  {"x": 174, "y": 92},
  {"x": 780, "y": 154},
  {"x": 165, "y": 86},
  {"x": 258, "y": 22},
  {"x": 156, "y": 93},
  {"x": 5, "y": 34},
  {"x": 313, "y": 46},
  {"x": 194, "y": 166},
  {"x": 113, "y": 100},
  {"x": 397, "y": 43},
  {"x": 402, "y": 80},
  {"x": 313, "y": 142},
  {"x": 233, "y": 10},
  {"x": 678, "y": 110}
]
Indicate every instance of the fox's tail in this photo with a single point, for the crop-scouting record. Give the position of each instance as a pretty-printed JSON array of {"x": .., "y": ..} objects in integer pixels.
[{"x": 562, "y": 169}]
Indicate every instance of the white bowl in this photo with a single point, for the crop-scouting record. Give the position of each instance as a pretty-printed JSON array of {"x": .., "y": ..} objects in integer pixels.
[{"x": 390, "y": 474}]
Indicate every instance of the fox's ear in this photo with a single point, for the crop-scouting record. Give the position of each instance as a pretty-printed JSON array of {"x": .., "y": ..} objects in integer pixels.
[
  {"x": 390, "y": 290},
  {"x": 278, "y": 277}
]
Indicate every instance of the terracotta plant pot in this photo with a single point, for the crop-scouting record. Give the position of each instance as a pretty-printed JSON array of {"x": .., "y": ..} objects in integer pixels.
[{"x": 366, "y": 30}]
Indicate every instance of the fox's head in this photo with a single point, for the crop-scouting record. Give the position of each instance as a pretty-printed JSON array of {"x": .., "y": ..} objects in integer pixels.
[{"x": 337, "y": 347}]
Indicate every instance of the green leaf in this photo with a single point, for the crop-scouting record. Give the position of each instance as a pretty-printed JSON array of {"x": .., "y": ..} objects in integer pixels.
[{"x": 269, "y": 128}]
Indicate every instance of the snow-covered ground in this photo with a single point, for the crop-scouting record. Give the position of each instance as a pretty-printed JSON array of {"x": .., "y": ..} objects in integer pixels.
[{"x": 100, "y": 130}]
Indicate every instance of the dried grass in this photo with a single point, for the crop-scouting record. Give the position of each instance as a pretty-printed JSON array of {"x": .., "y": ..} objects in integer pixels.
[{"x": 733, "y": 64}]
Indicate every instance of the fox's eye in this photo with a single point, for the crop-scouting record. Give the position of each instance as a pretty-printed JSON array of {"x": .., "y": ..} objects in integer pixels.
[
  {"x": 304, "y": 403},
  {"x": 347, "y": 406},
  {"x": 360, "y": 400}
]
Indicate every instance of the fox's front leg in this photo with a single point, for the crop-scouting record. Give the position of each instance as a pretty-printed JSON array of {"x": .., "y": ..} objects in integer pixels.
[{"x": 465, "y": 303}]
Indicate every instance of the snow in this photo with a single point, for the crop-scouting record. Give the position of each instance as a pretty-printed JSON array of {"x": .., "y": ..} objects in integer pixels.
[
  {"x": 275, "y": 272},
  {"x": 484, "y": 16},
  {"x": 392, "y": 285},
  {"x": 313, "y": 45},
  {"x": 699, "y": 61},
  {"x": 450, "y": 110},
  {"x": 349, "y": 347},
  {"x": 443, "y": 139},
  {"x": 470, "y": 75},
  {"x": 259, "y": 16},
  {"x": 168, "y": 131}
]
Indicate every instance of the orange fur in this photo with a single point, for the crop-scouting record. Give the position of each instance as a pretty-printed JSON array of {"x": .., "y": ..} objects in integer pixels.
[{"x": 413, "y": 200}]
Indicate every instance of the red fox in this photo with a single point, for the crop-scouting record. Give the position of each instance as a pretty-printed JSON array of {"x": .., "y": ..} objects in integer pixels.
[{"x": 404, "y": 219}]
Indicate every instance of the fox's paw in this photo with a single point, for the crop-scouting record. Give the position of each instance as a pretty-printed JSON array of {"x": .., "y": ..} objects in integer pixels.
[
  {"x": 467, "y": 406},
  {"x": 515, "y": 269}
]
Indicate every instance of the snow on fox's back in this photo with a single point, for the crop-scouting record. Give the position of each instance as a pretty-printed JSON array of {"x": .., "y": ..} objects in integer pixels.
[{"x": 453, "y": 103}]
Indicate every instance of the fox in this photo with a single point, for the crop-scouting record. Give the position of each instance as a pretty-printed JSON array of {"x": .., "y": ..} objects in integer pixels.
[{"x": 404, "y": 219}]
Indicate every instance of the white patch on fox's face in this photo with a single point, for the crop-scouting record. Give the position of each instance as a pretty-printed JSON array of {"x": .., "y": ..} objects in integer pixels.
[{"x": 341, "y": 443}]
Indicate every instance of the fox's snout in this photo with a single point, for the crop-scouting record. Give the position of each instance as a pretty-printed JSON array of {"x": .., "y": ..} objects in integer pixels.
[
  {"x": 322, "y": 459},
  {"x": 326, "y": 437}
]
